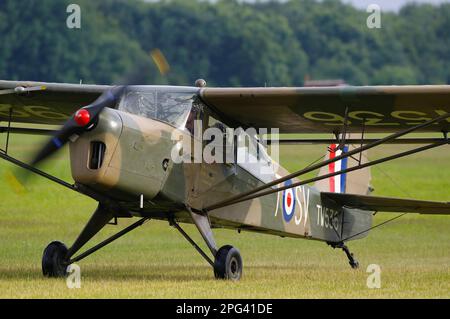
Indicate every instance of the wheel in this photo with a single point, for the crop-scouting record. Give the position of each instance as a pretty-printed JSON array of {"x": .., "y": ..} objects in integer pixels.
[
  {"x": 54, "y": 260},
  {"x": 353, "y": 262},
  {"x": 228, "y": 263}
]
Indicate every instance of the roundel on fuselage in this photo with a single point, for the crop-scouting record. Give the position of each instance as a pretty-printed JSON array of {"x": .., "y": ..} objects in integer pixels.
[{"x": 288, "y": 202}]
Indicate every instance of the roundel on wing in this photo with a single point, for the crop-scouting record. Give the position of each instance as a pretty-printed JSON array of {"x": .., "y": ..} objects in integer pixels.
[{"x": 288, "y": 202}]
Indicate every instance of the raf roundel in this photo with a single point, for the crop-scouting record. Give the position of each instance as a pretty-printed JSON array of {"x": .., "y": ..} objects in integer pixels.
[{"x": 288, "y": 203}]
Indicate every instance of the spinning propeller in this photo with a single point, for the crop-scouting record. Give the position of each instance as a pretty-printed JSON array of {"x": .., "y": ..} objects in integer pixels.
[
  {"x": 82, "y": 121},
  {"x": 86, "y": 117}
]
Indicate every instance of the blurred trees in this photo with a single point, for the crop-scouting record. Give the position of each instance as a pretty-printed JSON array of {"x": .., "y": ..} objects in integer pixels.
[{"x": 229, "y": 43}]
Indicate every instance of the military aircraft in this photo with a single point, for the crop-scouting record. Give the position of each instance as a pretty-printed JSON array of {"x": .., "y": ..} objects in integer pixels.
[{"x": 122, "y": 141}]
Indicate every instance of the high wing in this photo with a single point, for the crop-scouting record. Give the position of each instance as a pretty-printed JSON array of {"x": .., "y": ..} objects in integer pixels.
[
  {"x": 292, "y": 110},
  {"x": 384, "y": 204},
  {"x": 44, "y": 103},
  {"x": 324, "y": 109}
]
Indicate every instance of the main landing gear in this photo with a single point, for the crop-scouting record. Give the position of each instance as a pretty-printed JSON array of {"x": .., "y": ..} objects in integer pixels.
[
  {"x": 54, "y": 260},
  {"x": 57, "y": 257},
  {"x": 227, "y": 262}
]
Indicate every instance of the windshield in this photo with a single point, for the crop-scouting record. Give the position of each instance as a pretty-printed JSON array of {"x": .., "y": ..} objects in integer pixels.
[{"x": 169, "y": 107}]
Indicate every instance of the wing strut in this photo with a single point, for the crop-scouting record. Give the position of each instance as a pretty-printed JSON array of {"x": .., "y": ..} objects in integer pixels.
[
  {"x": 260, "y": 191},
  {"x": 74, "y": 187},
  {"x": 6, "y": 157}
]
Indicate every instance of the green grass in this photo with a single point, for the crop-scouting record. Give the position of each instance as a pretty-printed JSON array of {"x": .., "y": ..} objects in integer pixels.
[{"x": 154, "y": 261}]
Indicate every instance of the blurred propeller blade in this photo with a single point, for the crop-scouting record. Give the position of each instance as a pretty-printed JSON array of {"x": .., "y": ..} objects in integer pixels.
[
  {"x": 80, "y": 122},
  {"x": 85, "y": 118}
]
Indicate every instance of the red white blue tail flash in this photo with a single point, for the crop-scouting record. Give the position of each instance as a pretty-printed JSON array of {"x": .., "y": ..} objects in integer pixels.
[{"x": 338, "y": 182}]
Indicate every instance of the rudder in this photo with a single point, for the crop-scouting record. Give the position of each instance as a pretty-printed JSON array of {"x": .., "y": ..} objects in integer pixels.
[{"x": 356, "y": 182}]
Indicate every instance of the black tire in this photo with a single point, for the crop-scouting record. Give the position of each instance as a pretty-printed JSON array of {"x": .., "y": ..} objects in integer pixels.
[
  {"x": 228, "y": 264},
  {"x": 54, "y": 260}
]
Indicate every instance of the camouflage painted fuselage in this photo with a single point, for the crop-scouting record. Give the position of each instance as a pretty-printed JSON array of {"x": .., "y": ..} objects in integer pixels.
[{"x": 136, "y": 169}]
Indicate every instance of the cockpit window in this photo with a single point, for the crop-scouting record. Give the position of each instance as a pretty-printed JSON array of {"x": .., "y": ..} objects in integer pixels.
[
  {"x": 139, "y": 103},
  {"x": 174, "y": 108},
  {"x": 169, "y": 107}
]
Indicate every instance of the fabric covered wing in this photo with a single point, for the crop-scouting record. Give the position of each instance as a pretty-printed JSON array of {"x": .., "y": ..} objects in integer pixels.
[
  {"x": 44, "y": 103},
  {"x": 386, "y": 204},
  {"x": 323, "y": 109}
]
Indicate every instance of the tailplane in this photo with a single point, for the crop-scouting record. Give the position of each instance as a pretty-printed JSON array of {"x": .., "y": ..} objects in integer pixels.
[{"x": 387, "y": 204}]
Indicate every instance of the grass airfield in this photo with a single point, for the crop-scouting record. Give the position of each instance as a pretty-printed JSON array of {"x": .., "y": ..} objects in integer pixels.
[{"x": 155, "y": 261}]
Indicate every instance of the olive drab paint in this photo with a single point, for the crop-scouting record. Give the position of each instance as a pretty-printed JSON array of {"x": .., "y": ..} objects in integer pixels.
[
  {"x": 136, "y": 149},
  {"x": 127, "y": 157}
]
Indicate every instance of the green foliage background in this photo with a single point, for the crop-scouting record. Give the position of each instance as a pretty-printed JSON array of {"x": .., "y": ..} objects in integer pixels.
[{"x": 226, "y": 42}]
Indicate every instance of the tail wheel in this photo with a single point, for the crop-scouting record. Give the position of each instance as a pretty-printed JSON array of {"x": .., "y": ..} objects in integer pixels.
[
  {"x": 228, "y": 264},
  {"x": 54, "y": 263}
]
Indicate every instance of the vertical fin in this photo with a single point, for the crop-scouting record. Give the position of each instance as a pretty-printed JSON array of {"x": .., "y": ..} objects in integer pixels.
[{"x": 356, "y": 182}]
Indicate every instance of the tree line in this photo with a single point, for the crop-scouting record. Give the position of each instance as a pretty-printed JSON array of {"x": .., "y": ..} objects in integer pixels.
[{"x": 226, "y": 42}]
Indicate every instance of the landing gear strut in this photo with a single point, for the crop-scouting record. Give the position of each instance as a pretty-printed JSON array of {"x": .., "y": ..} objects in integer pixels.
[
  {"x": 227, "y": 260},
  {"x": 57, "y": 257},
  {"x": 351, "y": 258}
]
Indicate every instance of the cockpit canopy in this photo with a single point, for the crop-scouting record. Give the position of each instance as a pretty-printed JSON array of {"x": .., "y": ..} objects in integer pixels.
[{"x": 168, "y": 105}]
